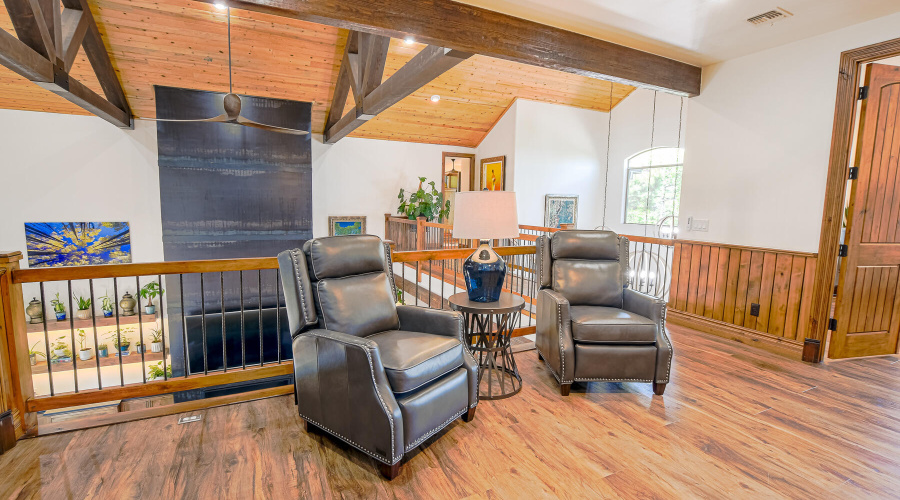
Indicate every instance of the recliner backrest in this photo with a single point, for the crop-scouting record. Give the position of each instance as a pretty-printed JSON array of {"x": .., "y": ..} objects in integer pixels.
[
  {"x": 350, "y": 285},
  {"x": 586, "y": 267}
]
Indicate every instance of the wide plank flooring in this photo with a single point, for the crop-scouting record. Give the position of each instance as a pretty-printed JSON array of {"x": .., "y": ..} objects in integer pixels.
[{"x": 735, "y": 422}]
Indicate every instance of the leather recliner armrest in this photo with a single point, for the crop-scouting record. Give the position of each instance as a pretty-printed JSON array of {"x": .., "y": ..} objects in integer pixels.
[
  {"x": 554, "y": 335},
  {"x": 655, "y": 309},
  {"x": 342, "y": 388}
]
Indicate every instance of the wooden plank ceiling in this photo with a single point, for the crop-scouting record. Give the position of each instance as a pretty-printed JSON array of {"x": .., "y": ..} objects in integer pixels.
[{"x": 184, "y": 44}]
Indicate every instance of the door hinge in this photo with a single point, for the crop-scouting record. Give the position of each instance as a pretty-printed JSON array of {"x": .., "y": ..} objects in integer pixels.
[
  {"x": 854, "y": 173},
  {"x": 832, "y": 324},
  {"x": 842, "y": 250},
  {"x": 863, "y": 92}
]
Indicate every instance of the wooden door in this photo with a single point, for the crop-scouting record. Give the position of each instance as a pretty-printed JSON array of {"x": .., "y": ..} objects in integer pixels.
[{"x": 868, "y": 302}]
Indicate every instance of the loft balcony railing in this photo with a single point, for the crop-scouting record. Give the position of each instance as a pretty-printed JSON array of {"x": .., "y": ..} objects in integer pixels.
[{"x": 202, "y": 348}]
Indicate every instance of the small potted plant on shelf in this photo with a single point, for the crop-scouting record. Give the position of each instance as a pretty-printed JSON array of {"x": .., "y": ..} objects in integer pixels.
[
  {"x": 156, "y": 344},
  {"x": 84, "y": 307},
  {"x": 60, "y": 347},
  {"x": 156, "y": 371},
  {"x": 84, "y": 353},
  {"x": 139, "y": 347},
  {"x": 102, "y": 350},
  {"x": 150, "y": 291},
  {"x": 121, "y": 349},
  {"x": 32, "y": 354},
  {"x": 59, "y": 308},
  {"x": 107, "y": 306}
]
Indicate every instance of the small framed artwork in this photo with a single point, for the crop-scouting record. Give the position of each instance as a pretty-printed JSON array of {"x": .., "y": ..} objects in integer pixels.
[
  {"x": 493, "y": 174},
  {"x": 342, "y": 226},
  {"x": 560, "y": 209}
]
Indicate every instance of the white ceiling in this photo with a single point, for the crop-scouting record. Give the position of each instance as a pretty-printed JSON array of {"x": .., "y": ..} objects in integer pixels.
[{"x": 698, "y": 32}]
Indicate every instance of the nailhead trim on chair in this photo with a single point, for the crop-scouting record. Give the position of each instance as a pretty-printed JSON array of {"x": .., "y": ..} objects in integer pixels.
[
  {"x": 366, "y": 347},
  {"x": 579, "y": 379},
  {"x": 552, "y": 371},
  {"x": 294, "y": 258},
  {"x": 390, "y": 266},
  {"x": 662, "y": 331},
  {"x": 433, "y": 431}
]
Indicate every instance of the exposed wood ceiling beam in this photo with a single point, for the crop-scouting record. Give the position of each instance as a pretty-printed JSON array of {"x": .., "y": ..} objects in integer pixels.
[
  {"x": 49, "y": 38},
  {"x": 475, "y": 30},
  {"x": 362, "y": 70}
]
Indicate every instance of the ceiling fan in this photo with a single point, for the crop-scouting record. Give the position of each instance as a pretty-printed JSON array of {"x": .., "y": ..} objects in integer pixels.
[{"x": 232, "y": 105}]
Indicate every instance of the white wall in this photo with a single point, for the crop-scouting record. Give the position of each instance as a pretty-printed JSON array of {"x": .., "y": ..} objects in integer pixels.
[
  {"x": 363, "y": 176},
  {"x": 759, "y": 139},
  {"x": 500, "y": 141}
]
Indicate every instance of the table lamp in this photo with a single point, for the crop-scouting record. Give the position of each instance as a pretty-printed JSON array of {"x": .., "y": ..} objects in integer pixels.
[{"x": 485, "y": 216}]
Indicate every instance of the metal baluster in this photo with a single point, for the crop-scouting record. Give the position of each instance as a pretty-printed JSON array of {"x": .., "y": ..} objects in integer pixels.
[
  {"x": 259, "y": 315},
  {"x": 187, "y": 361},
  {"x": 162, "y": 326},
  {"x": 96, "y": 343},
  {"x": 656, "y": 285},
  {"x": 278, "y": 310},
  {"x": 442, "y": 282},
  {"x": 137, "y": 281},
  {"x": 222, "y": 313},
  {"x": 403, "y": 280},
  {"x": 47, "y": 340},
  {"x": 72, "y": 332},
  {"x": 430, "y": 271},
  {"x": 243, "y": 326},
  {"x": 118, "y": 345},
  {"x": 203, "y": 324}
]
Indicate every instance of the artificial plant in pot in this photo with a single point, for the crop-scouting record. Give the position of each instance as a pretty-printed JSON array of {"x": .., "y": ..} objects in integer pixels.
[
  {"x": 156, "y": 371},
  {"x": 60, "y": 347},
  {"x": 102, "y": 350},
  {"x": 156, "y": 344},
  {"x": 59, "y": 308},
  {"x": 84, "y": 307},
  {"x": 107, "y": 305},
  {"x": 84, "y": 353},
  {"x": 32, "y": 354},
  {"x": 428, "y": 203},
  {"x": 150, "y": 291}
]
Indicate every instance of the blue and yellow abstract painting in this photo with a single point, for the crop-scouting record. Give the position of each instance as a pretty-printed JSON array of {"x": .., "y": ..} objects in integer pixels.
[{"x": 59, "y": 244}]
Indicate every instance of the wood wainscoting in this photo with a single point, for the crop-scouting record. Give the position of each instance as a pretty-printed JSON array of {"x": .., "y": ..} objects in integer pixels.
[{"x": 718, "y": 288}]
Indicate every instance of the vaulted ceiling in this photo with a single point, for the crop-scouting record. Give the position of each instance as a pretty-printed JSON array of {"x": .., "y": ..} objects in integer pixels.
[{"x": 184, "y": 44}]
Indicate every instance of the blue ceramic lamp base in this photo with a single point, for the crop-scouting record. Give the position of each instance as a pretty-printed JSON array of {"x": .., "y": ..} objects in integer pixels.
[{"x": 484, "y": 271}]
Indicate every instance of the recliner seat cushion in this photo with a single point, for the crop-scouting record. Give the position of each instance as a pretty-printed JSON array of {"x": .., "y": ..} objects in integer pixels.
[
  {"x": 412, "y": 359},
  {"x": 610, "y": 325}
]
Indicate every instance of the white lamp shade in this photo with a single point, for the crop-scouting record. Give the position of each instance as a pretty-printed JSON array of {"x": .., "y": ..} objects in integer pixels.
[{"x": 485, "y": 215}]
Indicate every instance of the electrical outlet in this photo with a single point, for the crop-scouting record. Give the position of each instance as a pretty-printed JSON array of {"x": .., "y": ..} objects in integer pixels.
[{"x": 754, "y": 309}]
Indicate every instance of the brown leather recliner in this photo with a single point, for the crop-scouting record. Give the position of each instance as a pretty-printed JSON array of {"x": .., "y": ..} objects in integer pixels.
[
  {"x": 590, "y": 326},
  {"x": 380, "y": 377}
]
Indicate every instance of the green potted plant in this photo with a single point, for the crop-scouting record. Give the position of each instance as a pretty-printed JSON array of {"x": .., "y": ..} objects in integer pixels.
[
  {"x": 156, "y": 371},
  {"x": 121, "y": 349},
  {"x": 84, "y": 353},
  {"x": 139, "y": 347},
  {"x": 150, "y": 291},
  {"x": 60, "y": 347},
  {"x": 84, "y": 307},
  {"x": 428, "y": 203},
  {"x": 107, "y": 305},
  {"x": 102, "y": 350},
  {"x": 32, "y": 354},
  {"x": 156, "y": 344},
  {"x": 59, "y": 308}
]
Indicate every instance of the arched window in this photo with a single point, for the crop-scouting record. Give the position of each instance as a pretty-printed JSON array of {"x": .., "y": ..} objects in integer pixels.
[{"x": 653, "y": 185}]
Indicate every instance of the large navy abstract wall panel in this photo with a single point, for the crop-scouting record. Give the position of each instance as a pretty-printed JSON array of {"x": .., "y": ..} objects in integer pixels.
[{"x": 230, "y": 191}]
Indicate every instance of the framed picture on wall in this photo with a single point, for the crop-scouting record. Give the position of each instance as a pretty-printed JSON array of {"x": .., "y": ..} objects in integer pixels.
[
  {"x": 342, "y": 226},
  {"x": 560, "y": 209},
  {"x": 493, "y": 174},
  {"x": 60, "y": 244}
]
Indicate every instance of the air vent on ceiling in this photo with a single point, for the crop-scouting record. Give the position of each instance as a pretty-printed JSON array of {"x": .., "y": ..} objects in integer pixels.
[{"x": 769, "y": 17}]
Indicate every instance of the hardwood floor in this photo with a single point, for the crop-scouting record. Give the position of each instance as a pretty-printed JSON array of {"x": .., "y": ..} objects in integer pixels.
[{"x": 735, "y": 422}]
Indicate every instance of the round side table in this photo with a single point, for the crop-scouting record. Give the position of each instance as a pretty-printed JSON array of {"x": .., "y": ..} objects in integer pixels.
[{"x": 489, "y": 327}]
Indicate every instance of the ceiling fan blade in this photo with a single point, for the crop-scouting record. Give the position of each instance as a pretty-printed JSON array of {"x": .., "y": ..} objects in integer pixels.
[
  {"x": 250, "y": 123},
  {"x": 220, "y": 119}
]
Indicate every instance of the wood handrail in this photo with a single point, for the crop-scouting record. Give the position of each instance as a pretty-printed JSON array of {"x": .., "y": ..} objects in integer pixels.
[
  {"x": 650, "y": 239},
  {"x": 539, "y": 228},
  {"x": 455, "y": 253},
  {"x": 39, "y": 275}
]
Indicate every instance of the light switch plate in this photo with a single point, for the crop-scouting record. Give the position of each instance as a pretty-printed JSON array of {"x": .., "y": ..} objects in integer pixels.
[{"x": 700, "y": 225}]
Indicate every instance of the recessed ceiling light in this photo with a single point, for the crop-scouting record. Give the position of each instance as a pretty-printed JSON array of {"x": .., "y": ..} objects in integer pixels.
[
  {"x": 435, "y": 98},
  {"x": 409, "y": 40},
  {"x": 220, "y": 6}
]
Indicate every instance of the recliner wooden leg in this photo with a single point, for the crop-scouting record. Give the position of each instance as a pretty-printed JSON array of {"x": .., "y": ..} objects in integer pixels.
[
  {"x": 469, "y": 415},
  {"x": 540, "y": 356},
  {"x": 311, "y": 428},
  {"x": 389, "y": 471},
  {"x": 659, "y": 388},
  {"x": 564, "y": 389}
]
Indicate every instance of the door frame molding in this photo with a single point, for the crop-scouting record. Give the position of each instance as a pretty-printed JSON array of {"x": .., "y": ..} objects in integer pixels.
[{"x": 849, "y": 77}]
